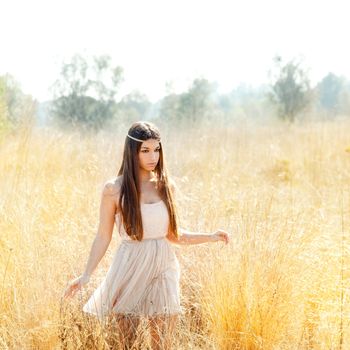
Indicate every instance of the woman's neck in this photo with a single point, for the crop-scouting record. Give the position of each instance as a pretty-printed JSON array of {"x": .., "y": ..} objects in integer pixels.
[{"x": 147, "y": 176}]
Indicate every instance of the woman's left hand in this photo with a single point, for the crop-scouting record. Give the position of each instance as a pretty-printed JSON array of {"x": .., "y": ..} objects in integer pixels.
[{"x": 221, "y": 235}]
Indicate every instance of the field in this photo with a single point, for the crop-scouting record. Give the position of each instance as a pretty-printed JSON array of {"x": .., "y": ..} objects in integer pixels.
[{"x": 283, "y": 192}]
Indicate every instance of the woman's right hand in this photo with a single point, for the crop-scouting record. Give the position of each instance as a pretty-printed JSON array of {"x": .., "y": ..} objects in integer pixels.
[{"x": 75, "y": 285}]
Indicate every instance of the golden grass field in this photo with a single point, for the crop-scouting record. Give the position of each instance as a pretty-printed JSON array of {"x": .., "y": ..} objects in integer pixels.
[{"x": 283, "y": 192}]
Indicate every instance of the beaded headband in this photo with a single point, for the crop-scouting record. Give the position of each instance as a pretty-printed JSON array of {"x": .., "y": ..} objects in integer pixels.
[{"x": 134, "y": 138}]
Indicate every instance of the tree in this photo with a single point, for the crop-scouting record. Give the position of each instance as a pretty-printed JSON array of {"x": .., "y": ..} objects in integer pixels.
[
  {"x": 290, "y": 89},
  {"x": 85, "y": 93},
  {"x": 4, "y": 122},
  {"x": 190, "y": 106},
  {"x": 169, "y": 108},
  {"x": 134, "y": 106},
  {"x": 329, "y": 92},
  {"x": 195, "y": 103},
  {"x": 15, "y": 107}
]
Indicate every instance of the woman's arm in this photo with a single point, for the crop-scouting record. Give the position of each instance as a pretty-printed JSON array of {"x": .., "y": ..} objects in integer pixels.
[
  {"x": 103, "y": 237},
  {"x": 105, "y": 228},
  {"x": 187, "y": 237}
]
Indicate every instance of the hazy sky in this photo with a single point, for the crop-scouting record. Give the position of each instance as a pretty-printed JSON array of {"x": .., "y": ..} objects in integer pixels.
[{"x": 156, "y": 41}]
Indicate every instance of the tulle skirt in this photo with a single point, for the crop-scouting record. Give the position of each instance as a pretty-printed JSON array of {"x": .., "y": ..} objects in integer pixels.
[{"x": 142, "y": 280}]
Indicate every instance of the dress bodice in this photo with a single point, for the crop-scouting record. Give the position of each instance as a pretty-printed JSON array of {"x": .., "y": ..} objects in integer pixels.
[{"x": 155, "y": 221}]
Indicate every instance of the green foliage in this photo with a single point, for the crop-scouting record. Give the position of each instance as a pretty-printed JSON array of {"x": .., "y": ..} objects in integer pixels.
[
  {"x": 134, "y": 106},
  {"x": 4, "y": 120},
  {"x": 290, "y": 89},
  {"x": 170, "y": 108},
  {"x": 191, "y": 106},
  {"x": 195, "y": 103},
  {"x": 330, "y": 90},
  {"x": 15, "y": 106},
  {"x": 245, "y": 101},
  {"x": 84, "y": 95}
]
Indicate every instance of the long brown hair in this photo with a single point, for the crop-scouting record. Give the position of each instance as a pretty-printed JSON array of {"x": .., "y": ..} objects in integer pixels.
[{"x": 129, "y": 198}]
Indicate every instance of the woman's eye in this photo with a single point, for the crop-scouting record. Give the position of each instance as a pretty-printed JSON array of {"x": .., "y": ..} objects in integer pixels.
[{"x": 145, "y": 151}]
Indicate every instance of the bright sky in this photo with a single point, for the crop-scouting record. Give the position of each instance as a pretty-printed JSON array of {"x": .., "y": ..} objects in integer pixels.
[{"x": 156, "y": 41}]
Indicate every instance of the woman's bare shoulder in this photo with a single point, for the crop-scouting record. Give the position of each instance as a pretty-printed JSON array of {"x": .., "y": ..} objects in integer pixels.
[
  {"x": 112, "y": 186},
  {"x": 172, "y": 184}
]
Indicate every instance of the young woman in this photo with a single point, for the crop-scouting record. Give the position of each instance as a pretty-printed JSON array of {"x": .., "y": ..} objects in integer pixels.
[{"x": 143, "y": 279}]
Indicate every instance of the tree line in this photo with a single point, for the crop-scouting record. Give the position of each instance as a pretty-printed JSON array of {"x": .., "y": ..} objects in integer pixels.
[{"x": 85, "y": 96}]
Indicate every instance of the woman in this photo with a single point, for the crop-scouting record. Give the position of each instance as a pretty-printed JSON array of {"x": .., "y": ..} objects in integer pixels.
[{"x": 143, "y": 279}]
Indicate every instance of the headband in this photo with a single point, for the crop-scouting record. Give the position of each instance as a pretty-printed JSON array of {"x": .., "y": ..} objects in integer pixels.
[{"x": 134, "y": 138}]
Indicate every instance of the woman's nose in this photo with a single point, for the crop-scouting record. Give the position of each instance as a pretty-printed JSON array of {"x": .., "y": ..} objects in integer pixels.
[{"x": 154, "y": 156}]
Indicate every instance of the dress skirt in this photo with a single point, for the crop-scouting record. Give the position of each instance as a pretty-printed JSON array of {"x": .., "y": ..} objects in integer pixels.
[{"x": 142, "y": 280}]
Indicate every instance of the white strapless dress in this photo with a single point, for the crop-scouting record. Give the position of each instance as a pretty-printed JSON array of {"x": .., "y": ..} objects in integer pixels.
[{"x": 144, "y": 277}]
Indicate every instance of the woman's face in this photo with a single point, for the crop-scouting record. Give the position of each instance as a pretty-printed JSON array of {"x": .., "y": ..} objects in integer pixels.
[{"x": 149, "y": 154}]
